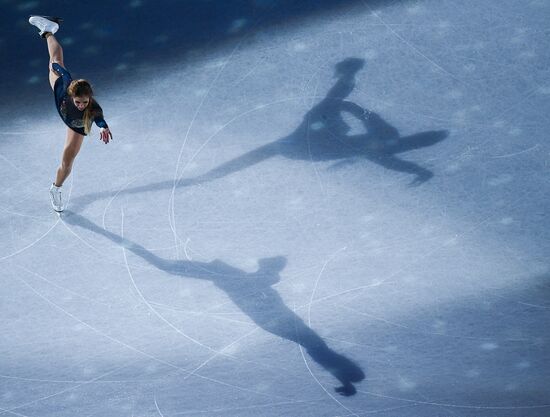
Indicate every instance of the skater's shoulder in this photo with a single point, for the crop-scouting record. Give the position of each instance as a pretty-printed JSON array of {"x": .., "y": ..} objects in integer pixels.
[{"x": 95, "y": 106}]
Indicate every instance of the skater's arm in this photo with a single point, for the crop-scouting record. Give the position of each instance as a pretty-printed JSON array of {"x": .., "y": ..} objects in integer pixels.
[
  {"x": 100, "y": 122},
  {"x": 105, "y": 133}
]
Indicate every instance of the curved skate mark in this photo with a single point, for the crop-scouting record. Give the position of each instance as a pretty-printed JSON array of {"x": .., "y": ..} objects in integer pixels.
[
  {"x": 185, "y": 250},
  {"x": 172, "y": 219},
  {"x": 221, "y": 352},
  {"x": 171, "y": 202},
  {"x": 233, "y": 52},
  {"x": 248, "y": 73},
  {"x": 321, "y": 385},
  {"x": 157, "y": 406},
  {"x": 116, "y": 195},
  {"x": 510, "y": 155},
  {"x": 141, "y": 352},
  {"x": 211, "y": 137},
  {"x": 31, "y": 244},
  {"x": 314, "y": 76},
  {"x": 221, "y": 128},
  {"x": 331, "y": 257},
  {"x": 102, "y": 254},
  {"x": 239, "y": 116},
  {"x": 414, "y": 48},
  {"x": 149, "y": 306}
]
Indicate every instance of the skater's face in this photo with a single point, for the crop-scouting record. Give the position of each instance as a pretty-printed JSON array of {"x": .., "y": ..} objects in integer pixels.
[{"x": 81, "y": 102}]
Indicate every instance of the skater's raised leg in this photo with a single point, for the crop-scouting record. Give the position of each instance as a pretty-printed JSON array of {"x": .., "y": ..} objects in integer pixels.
[
  {"x": 56, "y": 56},
  {"x": 46, "y": 24}
]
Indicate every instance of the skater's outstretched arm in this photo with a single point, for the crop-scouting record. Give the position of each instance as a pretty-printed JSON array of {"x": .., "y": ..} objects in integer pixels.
[{"x": 237, "y": 164}]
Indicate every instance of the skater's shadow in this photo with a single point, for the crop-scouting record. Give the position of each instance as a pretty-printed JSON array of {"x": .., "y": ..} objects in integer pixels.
[
  {"x": 323, "y": 135},
  {"x": 254, "y": 295}
]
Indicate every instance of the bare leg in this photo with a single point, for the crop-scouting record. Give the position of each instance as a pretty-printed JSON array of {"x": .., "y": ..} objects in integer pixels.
[
  {"x": 72, "y": 147},
  {"x": 56, "y": 55}
]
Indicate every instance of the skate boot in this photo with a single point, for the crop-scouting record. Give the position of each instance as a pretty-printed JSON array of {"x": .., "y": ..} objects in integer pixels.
[
  {"x": 55, "y": 195},
  {"x": 46, "y": 24}
]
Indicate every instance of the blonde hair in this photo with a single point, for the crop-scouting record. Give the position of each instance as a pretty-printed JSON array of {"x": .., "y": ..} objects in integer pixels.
[{"x": 82, "y": 88}]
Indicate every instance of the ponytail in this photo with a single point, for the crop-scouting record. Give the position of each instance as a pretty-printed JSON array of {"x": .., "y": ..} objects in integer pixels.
[
  {"x": 82, "y": 88},
  {"x": 88, "y": 118}
]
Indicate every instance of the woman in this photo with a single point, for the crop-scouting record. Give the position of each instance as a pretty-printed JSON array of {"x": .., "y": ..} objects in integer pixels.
[{"x": 74, "y": 102}]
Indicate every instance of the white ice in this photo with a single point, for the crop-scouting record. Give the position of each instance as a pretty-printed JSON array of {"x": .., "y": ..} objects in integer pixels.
[{"x": 355, "y": 203}]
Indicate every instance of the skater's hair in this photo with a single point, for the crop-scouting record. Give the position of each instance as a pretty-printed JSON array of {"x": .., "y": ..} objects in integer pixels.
[{"x": 82, "y": 88}]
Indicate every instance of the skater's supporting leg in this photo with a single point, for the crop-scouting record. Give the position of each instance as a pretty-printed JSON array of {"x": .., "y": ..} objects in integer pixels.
[
  {"x": 56, "y": 55},
  {"x": 72, "y": 147}
]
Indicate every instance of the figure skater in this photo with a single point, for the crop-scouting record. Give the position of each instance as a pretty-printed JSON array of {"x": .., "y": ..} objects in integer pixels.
[{"x": 74, "y": 102}]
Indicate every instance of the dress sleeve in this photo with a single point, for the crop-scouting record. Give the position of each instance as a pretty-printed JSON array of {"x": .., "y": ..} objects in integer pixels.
[
  {"x": 64, "y": 74},
  {"x": 98, "y": 116}
]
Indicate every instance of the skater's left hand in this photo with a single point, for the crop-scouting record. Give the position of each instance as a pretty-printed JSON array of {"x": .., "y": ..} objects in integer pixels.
[{"x": 105, "y": 135}]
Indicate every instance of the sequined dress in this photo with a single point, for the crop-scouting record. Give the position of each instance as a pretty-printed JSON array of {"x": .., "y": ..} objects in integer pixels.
[{"x": 69, "y": 113}]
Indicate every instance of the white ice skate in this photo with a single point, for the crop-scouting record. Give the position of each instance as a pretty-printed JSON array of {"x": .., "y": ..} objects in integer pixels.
[
  {"x": 46, "y": 24},
  {"x": 55, "y": 195}
]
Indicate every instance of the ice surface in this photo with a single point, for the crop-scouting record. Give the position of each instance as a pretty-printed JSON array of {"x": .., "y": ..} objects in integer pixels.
[{"x": 340, "y": 214}]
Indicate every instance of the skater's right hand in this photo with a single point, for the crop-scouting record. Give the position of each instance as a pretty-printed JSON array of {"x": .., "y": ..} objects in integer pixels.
[{"x": 105, "y": 135}]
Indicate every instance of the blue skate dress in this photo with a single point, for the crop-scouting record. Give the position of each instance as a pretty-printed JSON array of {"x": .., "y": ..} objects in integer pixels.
[{"x": 69, "y": 113}]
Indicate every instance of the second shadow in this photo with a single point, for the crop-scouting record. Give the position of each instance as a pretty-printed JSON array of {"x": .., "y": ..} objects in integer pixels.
[{"x": 254, "y": 295}]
